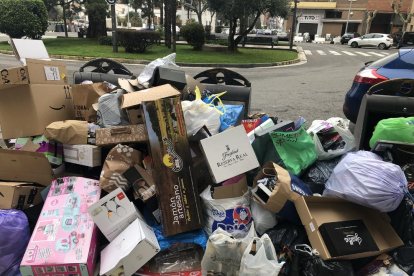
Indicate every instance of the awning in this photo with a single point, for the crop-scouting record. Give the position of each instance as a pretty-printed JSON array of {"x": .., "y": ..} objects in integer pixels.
[
  {"x": 325, "y": 20},
  {"x": 315, "y": 5}
]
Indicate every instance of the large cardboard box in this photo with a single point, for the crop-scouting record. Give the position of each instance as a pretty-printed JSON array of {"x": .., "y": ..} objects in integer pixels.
[
  {"x": 173, "y": 173},
  {"x": 113, "y": 213},
  {"x": 25, "y": 110},
  {"x": 16, "y": 75},
  {"x": 25, "y": 166},
  {"x": 129, "y": 251},
  {"x": 315, "y": 211},
  {"x": 85, "y": 155},
  {"x": 229, "y": 154},
  {"x": 19, "y": 195},
  {"x": 64, "y": 239}
]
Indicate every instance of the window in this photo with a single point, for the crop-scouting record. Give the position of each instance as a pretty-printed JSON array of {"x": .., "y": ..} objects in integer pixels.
[
  {"x": 367, "y": 36},
  {"x": 378, "y": 36},
  {"x": 333, "y": 14}
]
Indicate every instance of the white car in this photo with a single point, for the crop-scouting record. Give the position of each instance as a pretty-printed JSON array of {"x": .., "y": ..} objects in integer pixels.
[{"x": 382, "y": 41}]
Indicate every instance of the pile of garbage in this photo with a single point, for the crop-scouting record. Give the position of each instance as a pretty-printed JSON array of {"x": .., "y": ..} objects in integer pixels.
[{"x": 165, "y": 178}]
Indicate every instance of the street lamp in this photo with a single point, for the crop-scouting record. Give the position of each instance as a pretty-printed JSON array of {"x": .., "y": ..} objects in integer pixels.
[{"x": 349, "y": 14}]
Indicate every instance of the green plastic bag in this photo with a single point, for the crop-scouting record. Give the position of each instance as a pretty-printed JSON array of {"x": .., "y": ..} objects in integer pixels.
[
  {"x": 394, "y": 129},
  {"x": 295, "y": 148}
]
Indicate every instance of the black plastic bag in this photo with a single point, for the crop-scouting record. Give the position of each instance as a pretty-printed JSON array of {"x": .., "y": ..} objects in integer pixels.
[
  {"x": 404, "y": 258},
  {"x": 308, "y": 264},
  {"x": 402, "y": 220},
  {"x": 287, "y": 234},
  {"x": 318, "y": 174}
]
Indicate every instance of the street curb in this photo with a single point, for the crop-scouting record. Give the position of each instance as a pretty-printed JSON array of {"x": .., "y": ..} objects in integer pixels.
[
  {"x": 183, "y": 64},
  {"x": 301, "y": 54}
]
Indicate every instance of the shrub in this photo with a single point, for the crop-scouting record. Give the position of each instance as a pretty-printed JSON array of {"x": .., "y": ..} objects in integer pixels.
[
  {"x": 194, "y": 35},
  {"x": 137, "y": 41},
  {"x": 105, "y": 40},
  {"x": 23, "y": 18}
]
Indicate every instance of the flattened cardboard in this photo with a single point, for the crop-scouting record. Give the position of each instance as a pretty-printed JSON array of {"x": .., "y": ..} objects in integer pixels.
[
  {"x": 314, "y": 211},
  {"x": 16, "y": 75},
  {"x": 46, "y": 72},
  {"x": 27, "y": 48},
  {"x": 25, "y": 166},
  {"x": 19, "y": 195},
  {"x": 25, "y": 110},
  {"x": 151, "y": 94}
]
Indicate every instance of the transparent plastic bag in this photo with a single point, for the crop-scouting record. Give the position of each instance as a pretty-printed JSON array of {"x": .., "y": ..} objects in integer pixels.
[
  {"x": 198, "y": 114},
  {"x": 149, "y": 69}
]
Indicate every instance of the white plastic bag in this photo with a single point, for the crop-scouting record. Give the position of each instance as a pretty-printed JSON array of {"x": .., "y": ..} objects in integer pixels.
[
  {"x": 224, "y": 252},
  {"x": 198, "y": 114},
  {"x": 263, "y": 219},
  {"x": 363, "y": 178},
  {"x": 149, "y": 69},
  {"x": 231, "y": 214},
  {"x": 110, "y": 112},
  {"x": 264, "y": 262},
  {"x": 342, "y": 127}
]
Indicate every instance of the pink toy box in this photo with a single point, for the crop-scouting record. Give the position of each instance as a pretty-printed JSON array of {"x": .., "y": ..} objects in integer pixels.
[{"x": 63, "y": 242}]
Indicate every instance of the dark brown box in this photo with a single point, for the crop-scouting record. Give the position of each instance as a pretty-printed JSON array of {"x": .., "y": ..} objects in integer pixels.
[{"x": 173, "y": 173}]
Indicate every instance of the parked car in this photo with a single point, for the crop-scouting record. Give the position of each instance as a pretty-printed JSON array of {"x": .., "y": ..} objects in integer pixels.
[
  {"x": 407, "y": 40},
  {"x": 398, "y": 65},
  {"x": 348, "y": 36},
  {"x": 267, "y": 32},
  {"x": 382, "y": 41},
  {"x": 282, "y": 36},
  {"x": 260, "y": 31}
]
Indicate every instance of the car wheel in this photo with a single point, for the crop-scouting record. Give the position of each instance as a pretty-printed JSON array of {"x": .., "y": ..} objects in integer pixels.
[
  {"x": 382, "y": 46},
  {"x": 354, "y": 44}
]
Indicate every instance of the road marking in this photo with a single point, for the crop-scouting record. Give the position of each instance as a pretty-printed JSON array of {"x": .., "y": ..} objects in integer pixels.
[
  {"x": 363, "y": 54},
  {"x": 308, "y": 52},
  {"x": 376, "y": 54},
  {"x": 348, "y": 53},
  {"x": 335, "y": 53},
  {"x": 322, "y": 53},
  {"x": 384, "y": 53}
]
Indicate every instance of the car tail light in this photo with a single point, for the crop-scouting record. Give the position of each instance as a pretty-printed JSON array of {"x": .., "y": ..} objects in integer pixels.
[{"x": 369, "y": 76}]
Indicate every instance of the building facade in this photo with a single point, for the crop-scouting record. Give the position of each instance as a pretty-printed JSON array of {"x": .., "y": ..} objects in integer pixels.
[{"x": 335, "y": 17}]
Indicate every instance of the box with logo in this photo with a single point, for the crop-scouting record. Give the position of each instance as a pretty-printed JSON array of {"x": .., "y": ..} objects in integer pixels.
[
  {"x": 173, "y": 173},
  {"x": 64, "y": 238},
  {"x": 339, "y": 229},
  {"x": 229, "y": 154},
  {"x": 113, "y": 213},
  {"x": 85, "y": 155},
  {"x": 121, "y": 134},
  {"x": 19, "y": 195}
]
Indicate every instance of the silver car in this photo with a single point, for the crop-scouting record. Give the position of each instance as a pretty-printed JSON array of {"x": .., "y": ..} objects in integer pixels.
[{"x": 382, "y": 41}]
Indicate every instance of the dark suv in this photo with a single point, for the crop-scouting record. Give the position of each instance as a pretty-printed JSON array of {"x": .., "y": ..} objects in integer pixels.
[
  {"x": 407, "y": 40},
  {"x": 348, "y": 36}
]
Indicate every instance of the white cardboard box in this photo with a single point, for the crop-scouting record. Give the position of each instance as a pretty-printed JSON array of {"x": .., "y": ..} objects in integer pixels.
[
  {"x": 129, "y": 251},
  {"x": 229, "y": 154},
  {"x": 113, "y": 213},
  {"x": 85, "y": 155}
]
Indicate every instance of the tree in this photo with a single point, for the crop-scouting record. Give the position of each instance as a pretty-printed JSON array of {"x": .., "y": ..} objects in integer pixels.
[
  {"x": 68, "y": 7},
  {"x": 238, "y": 11},
  {"x": 96, "y": 11},
  {"x": 405, "y": 18},
  {"x": 23, "y": 18},
  {"x": 369, "y": 17},
  {"x": 197, "y": 6}
]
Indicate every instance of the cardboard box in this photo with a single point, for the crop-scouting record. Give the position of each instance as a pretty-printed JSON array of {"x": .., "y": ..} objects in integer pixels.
[
  {"x": 25, "y": 110},
  {"x": 25, "y": 166},
  {"x": 46, "y": 72},
  {"x": 16, "y": 75},
  {"x": 229, "y": 154},
  {"x": 113, "y": 213},
  {"x": 19, "y": 195},
  {"x": 173, "y": 173},
  {"x": 29, "y": 48},
  {"x": 315, "y": 211},
  {"x": 85, "y": 155},
  {"x": 129, "y": 251},
  {"x": 235, "y": 188},
  {"x": 64, "y": 238},
  {"x": 121, "y": 134}
]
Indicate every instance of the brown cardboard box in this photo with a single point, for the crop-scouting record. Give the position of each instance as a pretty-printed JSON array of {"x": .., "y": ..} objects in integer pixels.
[
  {"x": 46, "y": 72},
  {"x": 236, "y": 189},
  {"x": 173, "y": 173},
  {"x": 121, "y": 134},
  {"x": 16, "y": 75},
  {"x": 25, "y": 166},
  {"x": 314, "y": 211},
  {"x": 25, "y": 110},
  {"x": 19, "y": 195}
]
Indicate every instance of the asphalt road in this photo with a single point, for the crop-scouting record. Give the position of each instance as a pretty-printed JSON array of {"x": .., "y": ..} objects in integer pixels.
[{"x": 314, "y": 90}]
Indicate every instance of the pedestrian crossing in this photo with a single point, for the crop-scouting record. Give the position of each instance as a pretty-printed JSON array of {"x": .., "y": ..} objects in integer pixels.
[{"x": 345, "y": 53}]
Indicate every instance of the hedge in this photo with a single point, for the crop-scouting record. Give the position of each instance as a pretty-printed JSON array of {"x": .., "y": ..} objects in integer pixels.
[{"x": 137, "y": 41}]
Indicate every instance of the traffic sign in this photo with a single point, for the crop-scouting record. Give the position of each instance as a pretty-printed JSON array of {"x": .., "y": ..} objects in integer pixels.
[{"x": 111, "y": 2}]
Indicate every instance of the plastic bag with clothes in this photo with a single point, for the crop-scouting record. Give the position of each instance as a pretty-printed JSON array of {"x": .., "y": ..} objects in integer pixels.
[
  {"x": 402, "y": 220},
  {"x": 393, "y": 129},
  {"x": 232, "y": 114},
  {"x": 198, "y": 114},
  {"x": 263, "y": 219},
  {"x": 224, "y": 252},
  {"x": 332, "y": 137},
  {"x": 363, "y": 178},
  {"x": 14, "y": 237},
  {"x": 146, "y": 74},
  {"x": 404, "y": 258},
  {"x": 318, "y": 174},
  {"x": 287, "y": 234}
]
